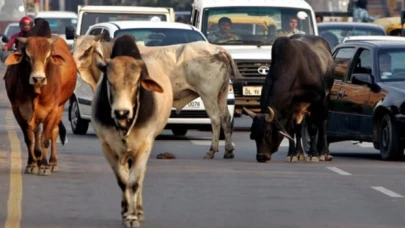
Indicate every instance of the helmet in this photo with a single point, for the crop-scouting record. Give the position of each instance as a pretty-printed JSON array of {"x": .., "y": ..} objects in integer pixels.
[{"x": 26, "y": 20}]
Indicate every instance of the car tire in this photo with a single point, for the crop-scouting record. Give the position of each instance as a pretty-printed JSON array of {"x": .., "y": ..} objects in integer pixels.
[
  {"x": 79, "y": 126},
  {"x": 179, "y": 131},
  {"x": 390, "y": 145}
]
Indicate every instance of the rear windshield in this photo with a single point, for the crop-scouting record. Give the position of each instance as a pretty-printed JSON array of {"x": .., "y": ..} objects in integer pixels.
[
  {"x": 335, "y": 35},
  {"x": 90, "y": 19}
]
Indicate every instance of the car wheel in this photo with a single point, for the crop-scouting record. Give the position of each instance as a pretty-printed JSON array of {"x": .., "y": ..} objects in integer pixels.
[
  {"x": 390, "y": 147},
  {"x": 222, "y": 135},
  {"x": 79, "y": 125},
  {"x": 179, "y": 131}
]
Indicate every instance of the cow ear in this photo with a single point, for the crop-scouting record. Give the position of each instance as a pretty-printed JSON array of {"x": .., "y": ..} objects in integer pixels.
[
  {"x": 14, "y": 58},
  {"x": 146, "y": 81},
  {"x": 57, "y": 59}
]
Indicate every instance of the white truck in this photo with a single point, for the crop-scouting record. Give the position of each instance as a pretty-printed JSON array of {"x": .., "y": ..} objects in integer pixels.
[
  {"x": 89, "y": 15},
  {"x": 255, "y": 24}
]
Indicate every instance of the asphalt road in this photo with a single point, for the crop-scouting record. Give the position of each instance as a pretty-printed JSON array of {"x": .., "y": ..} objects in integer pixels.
[{"x": 355, "y": 190}]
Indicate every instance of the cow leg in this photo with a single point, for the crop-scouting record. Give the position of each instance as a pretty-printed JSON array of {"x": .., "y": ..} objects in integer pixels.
[
  {"x": 29, "y": 139},
  {"x": 323, "y": 144},
  {"x": 313, "y": 154},
  {"x": 292, "y": 153},
  {"x": 298, "y": 136},
  {"x": 133, "y": 190},
  {"x": 214, "y": 113},
  {"x": 37, "y": 148},
  {"x": 53, "y": 160},
  {"x": 226, "y": 123},
  {"x": 46, "y": 139}
]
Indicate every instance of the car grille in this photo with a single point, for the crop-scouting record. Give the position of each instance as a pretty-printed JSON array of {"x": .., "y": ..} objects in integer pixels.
[
  {"x": 189, "y": 113},
  {"x": 250, "y": 68}
]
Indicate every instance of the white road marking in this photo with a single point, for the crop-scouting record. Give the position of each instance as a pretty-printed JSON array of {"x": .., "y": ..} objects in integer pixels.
[
  {"x": 339, "y": 171},
  {"x": 387, "y": 192}
]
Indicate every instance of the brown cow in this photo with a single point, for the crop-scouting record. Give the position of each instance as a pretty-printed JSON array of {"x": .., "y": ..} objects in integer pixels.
[{"x": 39, "y": 79}]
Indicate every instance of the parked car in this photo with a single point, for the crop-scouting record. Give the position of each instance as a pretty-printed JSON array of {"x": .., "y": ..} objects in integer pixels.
[
  {"x": 192, "y": 116},
  {"x": 335, "y": 32},
  {"x": 368, "y": 96},
  {"x": 373, "y": 38}
]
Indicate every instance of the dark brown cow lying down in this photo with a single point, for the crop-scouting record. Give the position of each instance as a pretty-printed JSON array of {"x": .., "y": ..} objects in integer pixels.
[{"x": 39, "y": 79}]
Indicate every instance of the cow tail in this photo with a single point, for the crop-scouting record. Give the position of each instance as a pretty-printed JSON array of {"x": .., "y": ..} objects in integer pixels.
[
  {"x": 235, "y": 71},
  {"x": 62, "y": 132}
]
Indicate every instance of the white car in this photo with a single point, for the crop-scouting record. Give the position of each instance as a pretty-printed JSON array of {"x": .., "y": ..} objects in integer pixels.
[{"x": 148, "y": 33}]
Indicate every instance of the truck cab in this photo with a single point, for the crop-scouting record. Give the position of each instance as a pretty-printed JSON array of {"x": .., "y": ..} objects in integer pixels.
[{"x": 247, "y": 29}]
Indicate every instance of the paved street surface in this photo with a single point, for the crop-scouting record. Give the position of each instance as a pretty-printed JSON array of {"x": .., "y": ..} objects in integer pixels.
[{"x": 355, "y": 190}]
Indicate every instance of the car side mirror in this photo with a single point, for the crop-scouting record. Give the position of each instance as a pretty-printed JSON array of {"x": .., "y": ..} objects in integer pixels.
[
  {"x": 4, "y": 39},
  {"x": 70, "y": 32},
  {"x": 359, "y": 79}
]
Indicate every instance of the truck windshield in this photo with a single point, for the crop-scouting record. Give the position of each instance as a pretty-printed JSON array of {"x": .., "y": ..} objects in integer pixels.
[
  {"x": 254, "y": 25},
  {"x": 89, "y": 18}
]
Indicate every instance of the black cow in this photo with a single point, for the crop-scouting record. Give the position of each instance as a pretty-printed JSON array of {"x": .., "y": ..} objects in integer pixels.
[{"x": 298, "y": 83}]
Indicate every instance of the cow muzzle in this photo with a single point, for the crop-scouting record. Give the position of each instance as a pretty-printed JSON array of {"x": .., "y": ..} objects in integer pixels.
[
  {"x": 38, "y": 80},
  {"x": 123, "y": 119}
]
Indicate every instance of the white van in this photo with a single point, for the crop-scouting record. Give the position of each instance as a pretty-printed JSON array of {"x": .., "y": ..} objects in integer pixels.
[{"x": 256, "y": 24}]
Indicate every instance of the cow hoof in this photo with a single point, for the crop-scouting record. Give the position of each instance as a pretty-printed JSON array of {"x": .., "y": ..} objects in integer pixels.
[
  {"x": 229, "y": 156},
  {"x": 328, "y": 157},
  {"x": 44, "y": 171},
  {"x": 209, "y": 155},
  {"x": 141, "y": 217},
  {"x": 291, "y": 159},
  {"x": 301, "y": 157},
  {"x": 322, "y": 158},
  {"x": 132, "y": 222},
  {"x": 55, "y": 168},
  {"x": 288, "y": 158},
  {"x": 31, "y": 169},
  {"x": 312, "y": 159}
]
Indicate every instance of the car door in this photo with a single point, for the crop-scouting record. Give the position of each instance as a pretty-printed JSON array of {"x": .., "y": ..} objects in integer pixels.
[
  {"x": 354, "y": 98},
  {"x": 342, "y": 59}
]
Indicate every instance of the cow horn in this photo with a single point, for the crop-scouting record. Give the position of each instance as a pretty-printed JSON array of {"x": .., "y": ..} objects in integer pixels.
[
  {"x": 51, "y": 40},
  {"x": 22, "y": 40},
  {"x": 250, "y": 113},
  {"x": 286, "y": 135},
  {"x": 100, "y": 36},
  {"x": 270, "y": 117}
]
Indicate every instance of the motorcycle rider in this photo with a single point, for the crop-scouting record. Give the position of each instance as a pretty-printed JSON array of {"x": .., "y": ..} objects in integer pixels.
[{"x": 26, "y": 24}]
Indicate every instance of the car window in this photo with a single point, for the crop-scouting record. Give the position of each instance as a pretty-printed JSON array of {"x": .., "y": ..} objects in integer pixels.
[
  {"x": 391, "y": 64},
  {"x": 11, "y": 30},
  {"x": 162, "y": 36},
  {"x": 363, "y": 63},
  {"x": 342, "y": 60},
  {"x": 95, "y": 31},
  {"x": 58, "y": 25}
]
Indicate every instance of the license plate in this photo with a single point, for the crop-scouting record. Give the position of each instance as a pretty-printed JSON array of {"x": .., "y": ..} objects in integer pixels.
[
  {"x": 252, "y": 90},
  {"x": 194, "y": 104}
]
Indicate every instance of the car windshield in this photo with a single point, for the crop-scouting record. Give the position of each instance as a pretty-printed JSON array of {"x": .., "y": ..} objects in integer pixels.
[
  {"x": 12, "y": 29},
  {"x": 58, "y": 25},
  {"x": 334, "y": 35},
  {"x": 90, "y": 19},
  {"x": 391, "y": 64},
  {"x": 254, "y": 25},
  {"x": 162, "y": 36}
]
